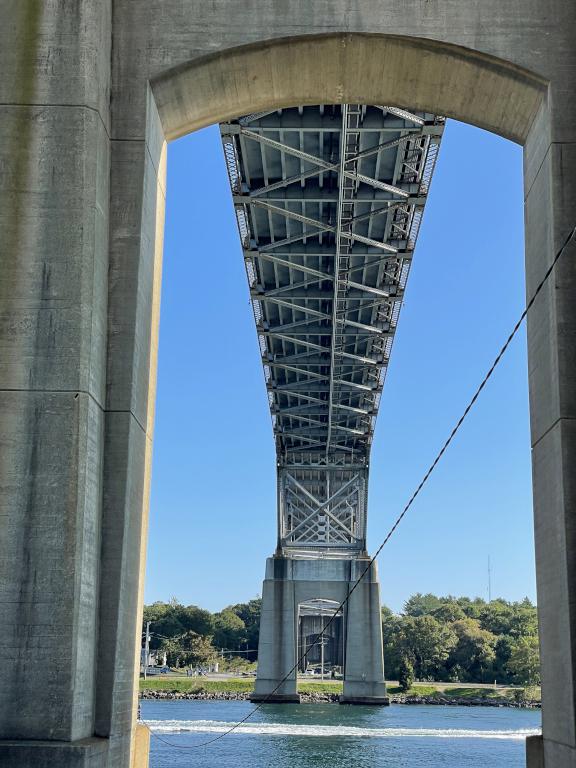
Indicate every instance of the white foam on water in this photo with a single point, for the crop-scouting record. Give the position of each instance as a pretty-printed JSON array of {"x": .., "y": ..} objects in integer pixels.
[{"x": 331, "y": 731}]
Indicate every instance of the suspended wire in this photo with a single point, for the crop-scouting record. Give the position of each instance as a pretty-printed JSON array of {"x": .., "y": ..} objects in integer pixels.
[{"x": 412, "y": 499}]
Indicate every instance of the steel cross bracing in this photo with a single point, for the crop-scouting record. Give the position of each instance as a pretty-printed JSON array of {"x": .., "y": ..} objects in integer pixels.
[{"x": 328, "y": 201}]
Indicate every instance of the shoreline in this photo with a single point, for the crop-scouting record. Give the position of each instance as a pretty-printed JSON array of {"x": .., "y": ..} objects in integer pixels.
[{"x": 333, "y": 698}]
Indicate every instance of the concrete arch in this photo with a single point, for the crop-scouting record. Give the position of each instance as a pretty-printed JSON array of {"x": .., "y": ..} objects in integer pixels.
[
  {"x": 471, "y": 86},
  {"x": 350, "y": 68},
  {"x": 419, "y": 73},
  {"x": 86, "y": 105}
]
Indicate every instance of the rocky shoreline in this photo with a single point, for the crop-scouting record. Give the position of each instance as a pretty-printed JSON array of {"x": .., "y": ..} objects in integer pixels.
[{"x": 317, "y": 698}]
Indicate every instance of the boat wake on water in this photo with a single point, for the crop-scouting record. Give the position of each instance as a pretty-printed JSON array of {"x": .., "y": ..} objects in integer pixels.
[{"x": 286, "y": 729}]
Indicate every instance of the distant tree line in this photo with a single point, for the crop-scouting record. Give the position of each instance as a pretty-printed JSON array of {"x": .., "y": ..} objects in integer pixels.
[
  {"x": 434, "y": 638},
  {"x": 193, "y": 636},
  {"x": 464, "y": 640}
]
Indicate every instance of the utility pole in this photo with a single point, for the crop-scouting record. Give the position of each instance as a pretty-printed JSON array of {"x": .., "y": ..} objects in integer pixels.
[
  {"x": 489, "y": 581},
  {"x": 146, "y": 648},
  {"x": 322, "y": 639}
]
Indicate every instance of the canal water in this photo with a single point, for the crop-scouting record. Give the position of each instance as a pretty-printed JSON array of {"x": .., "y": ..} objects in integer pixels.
[{"x": 332, "y": 736}]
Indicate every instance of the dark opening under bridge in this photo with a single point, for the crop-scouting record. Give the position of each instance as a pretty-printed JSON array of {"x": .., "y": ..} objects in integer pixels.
[{"x": 328, "y": 200}]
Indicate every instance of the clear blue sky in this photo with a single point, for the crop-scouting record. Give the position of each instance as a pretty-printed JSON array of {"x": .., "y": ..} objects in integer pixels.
[{"x": 213, "y": 509}]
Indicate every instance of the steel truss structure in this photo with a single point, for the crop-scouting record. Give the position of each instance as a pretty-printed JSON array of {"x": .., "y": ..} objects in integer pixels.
[{"x": 328, "y": 201}]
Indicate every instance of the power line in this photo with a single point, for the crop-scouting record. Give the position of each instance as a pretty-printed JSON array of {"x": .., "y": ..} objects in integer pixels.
[
  {"x": 400, "y": 517},
  {"x": 249, "y": 650}
]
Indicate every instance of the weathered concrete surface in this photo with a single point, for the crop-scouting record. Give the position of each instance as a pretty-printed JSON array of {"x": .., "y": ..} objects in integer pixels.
[
  {"x": 363, "y": 662},
  {"x": 278, "y": 634},
  {"x": 49, "y": 570},
  {"x": 534, "y": 752},
  {"x": 81, "y": 207},
  {"x": 171, "y": 33},
  {"x": 550, "y": 214},
  {"x": 292, "y": 581},
  {"x": 54, "y": 198},
  {"x": 55, "y": 54},
  {"x": 54, "y": 277},
  {"x": 362, "y": 67},
  {"x": 84, "y": 753}
]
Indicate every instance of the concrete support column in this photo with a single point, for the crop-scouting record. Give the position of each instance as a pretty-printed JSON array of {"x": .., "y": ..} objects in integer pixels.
[
  {"x": 363, "y": 660},
  {"x": 137, "y": 181},
  {"x": 277, "y": 647},
  {"x": 54, "y": 193},
  {"x": 550, "y": 174}
]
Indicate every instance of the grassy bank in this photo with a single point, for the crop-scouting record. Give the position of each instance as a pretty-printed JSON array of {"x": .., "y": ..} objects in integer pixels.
[
  {"x": 243, "y": 685},
  {"x": 233, "y": 685},
  {"x": 468, "y": 692}
]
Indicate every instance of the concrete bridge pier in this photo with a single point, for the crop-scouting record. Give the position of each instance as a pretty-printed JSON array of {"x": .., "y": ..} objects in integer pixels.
[
  {"x": 291, "y": 582},
  {"x": 363, "y": 659},
  {"x": 278, "y": 636}
]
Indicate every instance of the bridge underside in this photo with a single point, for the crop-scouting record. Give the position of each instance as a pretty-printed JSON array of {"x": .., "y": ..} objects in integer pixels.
[{"x": 328, "y": 200}]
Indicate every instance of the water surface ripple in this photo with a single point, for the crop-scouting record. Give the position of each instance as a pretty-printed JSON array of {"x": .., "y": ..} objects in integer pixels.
[{"x": 331, "y": 736}]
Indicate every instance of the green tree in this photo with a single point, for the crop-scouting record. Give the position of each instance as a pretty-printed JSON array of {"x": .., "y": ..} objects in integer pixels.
[
  {"x": 448, "y": 612},
  {"x": 229, "y": 630},
  {"x": 198, "y": 649},
  {"x": 195, "y": 619},
  {"x": 524, "y": 619},
  {"x": 165, "y": 622},
  {"x": 155, "y": 611},
  {"x": 385, "y": 613},
  {"x": 427, "y": 643},
  {"x": 524, "y": 661},
  {"x": 421, "y": 605},
  {"x": 496, "y": 617},
  {"x": 472, "y": 608},
  {"x": 173, "y": 651},
  {"x": 189, "y": 649},
  {"x": 393, "y": 641},
  {"x": 405, "y": 674},
  {"x": 473, "y": 651},
  {"x": 502, "y": 651},
  {"x": 250, "y": 615},
  {"x": 170, "y": 620}
]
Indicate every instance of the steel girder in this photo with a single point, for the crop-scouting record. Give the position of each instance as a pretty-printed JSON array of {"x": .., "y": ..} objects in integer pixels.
[
  {"x": 322, "y": 509},
  {"x": 328, "y": 201}
]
